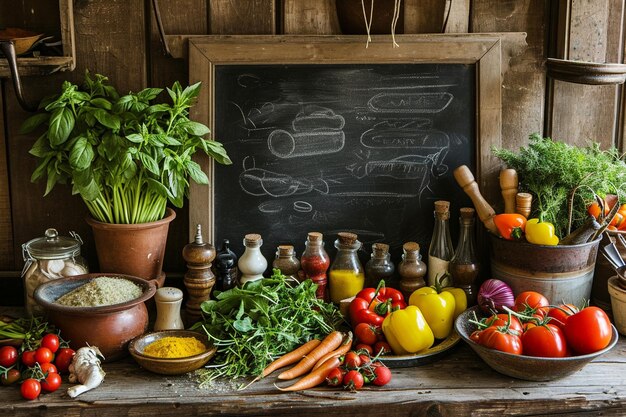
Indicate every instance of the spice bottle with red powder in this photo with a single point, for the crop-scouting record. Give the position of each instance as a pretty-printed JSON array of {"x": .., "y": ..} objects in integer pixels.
[{"x": 315, "y": 262}]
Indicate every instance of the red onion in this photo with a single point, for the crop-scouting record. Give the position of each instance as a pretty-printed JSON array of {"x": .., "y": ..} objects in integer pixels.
[{"x": 493, "y": 295}]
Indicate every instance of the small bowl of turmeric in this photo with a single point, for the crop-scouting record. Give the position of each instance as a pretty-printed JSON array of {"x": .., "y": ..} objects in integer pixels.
[{"x": 172, "y": 352}]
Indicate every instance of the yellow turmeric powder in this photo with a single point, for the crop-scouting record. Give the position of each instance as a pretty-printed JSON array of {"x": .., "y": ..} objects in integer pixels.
[{"x": 174, "y": 347}]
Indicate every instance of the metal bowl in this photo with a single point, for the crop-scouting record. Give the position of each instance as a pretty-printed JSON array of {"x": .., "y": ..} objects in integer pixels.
[
  {"x": 110, "y": 328},
  {"x": 529, "y": 368},
  {"x": 170, "y": 366}
]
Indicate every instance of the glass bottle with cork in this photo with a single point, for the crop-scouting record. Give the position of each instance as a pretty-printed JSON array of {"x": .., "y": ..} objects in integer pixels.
[
  {"x": 379, "y": 267},
  {"x": 315, "y": 263},
  {"x": 411, "y": 269},
  {"x": 440, "y": 251},
  {"x": 346, "y": 272},
  {"x": 464, "y": 267},
  {"x": 252, "y": 263},
  {"x": 286, "y": 261}
]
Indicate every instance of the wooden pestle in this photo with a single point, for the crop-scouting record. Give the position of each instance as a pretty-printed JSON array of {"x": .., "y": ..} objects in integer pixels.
[
  {"x": 466, "y": 180},
  {"x": 508, "y": 185}
]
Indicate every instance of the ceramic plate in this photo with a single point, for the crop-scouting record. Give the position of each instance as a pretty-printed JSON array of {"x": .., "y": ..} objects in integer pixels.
[{"x": 433, "y": 354}]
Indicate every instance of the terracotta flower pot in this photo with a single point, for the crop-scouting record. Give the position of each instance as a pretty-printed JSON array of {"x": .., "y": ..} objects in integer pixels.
[
  {"x": 132, "y": 249},
  {"x": 352, "y": 21}
]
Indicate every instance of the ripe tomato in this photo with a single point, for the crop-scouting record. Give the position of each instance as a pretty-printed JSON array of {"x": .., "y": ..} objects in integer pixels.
[
  {"x": 362, "y": 347},
  {"x": 531, "y": 300},
  {"x": 502, "y": 319},
  {"x": 560, "y": 314},
  {"x": 494, "y": 338},
  {"x": 352, "y": 360},
  {"x": 353, "y": 380},
  {"x": 30, "y": 389},
  {"x": 64, "y": 359},
  {"x": 588, "y": 331},
  {"x": 8, "y": 356},
  {"x": 382, "y": 346},
  {"x": 546, "y": 341},
  {"x": 51, "y": 383},
  {"x": 366, "y": 333},
  {"x": 43, "y": 355},
  {"x": 48, "y": 368},
  {"x": 50, "y": 341},
  {"x": 335, "y": 377},
  {"x": 10, "y": 376},
  {"x": 28, "y": 358},
  {"x": 365, "y": 359},
  {"x": 382, "y": 376}
]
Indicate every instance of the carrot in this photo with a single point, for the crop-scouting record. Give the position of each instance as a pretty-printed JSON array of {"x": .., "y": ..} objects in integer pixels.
[
  {"x": 314, "y": 378},
  {"x": 287, "y": 359},
  {"x": 341, "y": 350},
  {"x": 330, "y": 343}
]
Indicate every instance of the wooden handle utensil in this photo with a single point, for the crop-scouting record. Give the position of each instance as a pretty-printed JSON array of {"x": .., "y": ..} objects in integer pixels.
[
  {"x": 508, "y": 185},
  {"x": 523, "y": 203},
  {"x": 466, "y": 180}
]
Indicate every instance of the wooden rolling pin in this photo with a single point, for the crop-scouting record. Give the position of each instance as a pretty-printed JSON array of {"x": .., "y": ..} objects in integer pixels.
[
  {"x": 466, "y": 180},
  {"x": 508, "y": 185}
]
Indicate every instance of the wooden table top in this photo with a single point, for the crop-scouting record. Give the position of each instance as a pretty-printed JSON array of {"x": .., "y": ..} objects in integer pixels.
[{"x": 459, "y": 384}]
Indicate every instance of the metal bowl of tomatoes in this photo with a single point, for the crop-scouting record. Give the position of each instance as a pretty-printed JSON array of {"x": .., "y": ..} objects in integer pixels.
[{"x": 531, "y": 368}]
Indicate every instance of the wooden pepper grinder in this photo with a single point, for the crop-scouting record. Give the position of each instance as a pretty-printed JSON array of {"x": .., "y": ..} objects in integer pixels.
[
  {"x": 508, "y": 185},
  {"x": 523, "y": 204},
  {"x": 466, "y": 180},
  {"x": 199, "y": 279}
]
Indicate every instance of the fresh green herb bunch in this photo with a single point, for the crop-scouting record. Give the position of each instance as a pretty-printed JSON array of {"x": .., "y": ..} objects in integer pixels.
[
  {"x": 556, "y": 173},
  {"x": 254, "y": 325},
  {"x": 125, "y": 155}
]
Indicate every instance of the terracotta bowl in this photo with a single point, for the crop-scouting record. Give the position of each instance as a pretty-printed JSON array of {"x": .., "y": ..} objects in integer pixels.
[
  {"x": 170, "y": 366},
  {"x": 110, "y": 328},
  {"x": 530, "y": 368}
]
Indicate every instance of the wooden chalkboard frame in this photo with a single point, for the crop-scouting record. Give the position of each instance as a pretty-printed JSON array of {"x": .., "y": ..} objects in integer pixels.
[{"x": 483, "y": 50}]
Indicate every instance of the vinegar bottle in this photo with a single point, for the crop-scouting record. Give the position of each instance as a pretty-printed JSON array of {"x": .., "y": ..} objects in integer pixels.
[
  {"x": 346, "y": 272},
  {"x": 464, "y": 266},
  {"x": 315, "y": 263},
  {"x": 440, "y": 251}
]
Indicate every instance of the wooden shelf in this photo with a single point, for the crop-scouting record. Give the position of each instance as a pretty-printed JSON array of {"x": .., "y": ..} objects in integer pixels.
[{"x": 38, "y": 66}]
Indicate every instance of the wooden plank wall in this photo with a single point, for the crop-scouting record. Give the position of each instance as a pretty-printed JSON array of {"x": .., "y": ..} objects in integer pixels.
[{"x": 119, "y": 38}]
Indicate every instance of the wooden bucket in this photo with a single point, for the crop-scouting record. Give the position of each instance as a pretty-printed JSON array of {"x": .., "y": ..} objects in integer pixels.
[
  {"x": 600, "y": 290},
  {"x": 562, "y": 273}
]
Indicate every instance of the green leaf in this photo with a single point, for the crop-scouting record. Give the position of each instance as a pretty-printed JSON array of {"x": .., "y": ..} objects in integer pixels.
[
  {"x": 195, "y": 128},
  {"x": 148, "y": 94},
  {"x": 82, "y": 154},
  {"x": 157, "y": 187},
  {"x": 111, "y": 121},
  {"x": 168, "y": 140},
  {"x": 53, "y": 177},
  {"x": 33, "y": 122},
  {"x": 192, "y": 91},
  {"x": 217, "y": 151},
  {"x": 41, "y": 169},
  {"x": 85, "y": 185},
  {"x": 128, "y": 166},
  {"x": 41, "y": 147},
  {"x": 149, "y": 163},
  {"x": 110, "y": 146},
  {"x": 195, "y": 172},
  {"x": 244, "y": 325},
  {"x": 61, "y": 125},
  {"x": 158, "y": 108},
  {"x": 103, "y": 103},
  {"x": 135, "y": 138}
]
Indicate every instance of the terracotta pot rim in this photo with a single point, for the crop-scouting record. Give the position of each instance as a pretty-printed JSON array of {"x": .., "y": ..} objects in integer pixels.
[
  {"x": 148, "y": 287},
  {"x": 169, "y": 216},
  {"x": 522, "y": 243}
]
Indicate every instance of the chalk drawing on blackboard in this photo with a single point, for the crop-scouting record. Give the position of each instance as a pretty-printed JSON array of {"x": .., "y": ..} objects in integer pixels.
[
  {"x": 256, "y": 123},
  {"x": 270, "y": 207},
  {"x": 302, "y": 206},
  {"x": 409, "y": 102},
  {"x": 404, "y": 134},
  {"x": 317, "y": 131},
  {"x": 259, "y": 182},
  {"x": 251, "y": 81}
]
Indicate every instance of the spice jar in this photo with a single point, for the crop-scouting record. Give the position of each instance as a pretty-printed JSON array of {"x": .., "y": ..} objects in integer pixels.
[
  {"x": 315, "y": 263},
  {"x": 168, "y": 302},
  {"x": 252, "y": 263},
  {"x": 411, "y": 269},
  {"x": 47, "y": 258},
  {"x": 379, "y": 267},
  {"x": 346, "y": 272},
  {"x": 286, "y": 261}
]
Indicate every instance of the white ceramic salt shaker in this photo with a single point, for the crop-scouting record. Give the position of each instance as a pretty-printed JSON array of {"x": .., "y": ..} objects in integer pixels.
[
  {"x": 252, "y": 263},
  {"x": 168, "y": 302}
]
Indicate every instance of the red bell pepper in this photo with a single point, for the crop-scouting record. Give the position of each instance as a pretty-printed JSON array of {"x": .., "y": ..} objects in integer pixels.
[{"x": 372, "y": 305}]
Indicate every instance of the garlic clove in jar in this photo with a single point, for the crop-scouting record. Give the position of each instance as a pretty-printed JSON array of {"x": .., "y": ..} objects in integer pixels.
[{"x": 72, "y": 269}]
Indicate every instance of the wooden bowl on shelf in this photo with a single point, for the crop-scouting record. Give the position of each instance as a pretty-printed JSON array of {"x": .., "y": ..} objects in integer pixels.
[
  {"x": 22, "y": 39},
  {"x": 170, "y": 366}
]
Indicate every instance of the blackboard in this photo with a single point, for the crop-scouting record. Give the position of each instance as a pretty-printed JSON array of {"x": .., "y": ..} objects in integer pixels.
[
  {"x": 328, "y": 135},
  {"x": 361, "y": 147}
]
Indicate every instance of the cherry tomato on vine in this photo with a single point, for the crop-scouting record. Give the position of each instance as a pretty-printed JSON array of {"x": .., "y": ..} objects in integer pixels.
[
  {"x": 50, "y": 341},
  {"x": 561, "y": 313},
  {"x": 352, "y": 360},
  {"x": 64, "y": 359},
  {"x": 43, "y": 355},
  {"x": 48, "y": 368},
  {"x": 382, "y": 346},
  {"x": 8, "y": 356},
  {"x": 531, "y": 300},
  {"x": 10, "y": 376},
  {"x": 494, "y": 338},
  {"x": 502, "y": 319},
  {"x": 28, "y": 358},
  {"x": 364, "y": 348},
  {"x": 30, "y": 389},
  {"x": 353, "y": 380},
  {"x": 51, "y": 383},
  {"x": 546, "y": 341},
  {"x": 588, "y": 331},
  {"x": 335, "y": 377},
  {"x": 382, "y": 376},
  {"x": 366, "y": 333}
]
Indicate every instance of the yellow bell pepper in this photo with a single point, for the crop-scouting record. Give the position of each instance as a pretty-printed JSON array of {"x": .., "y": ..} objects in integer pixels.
[
  {"x": 460, "y": 300},
  {"x": 438, "y": 309},
  {"x": 407, "y": 332},
  {"x": 541, "y": 233}
]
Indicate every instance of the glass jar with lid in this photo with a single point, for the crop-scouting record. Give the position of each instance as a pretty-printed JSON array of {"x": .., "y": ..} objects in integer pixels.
[
  {"x": 346, "y": 272},
  {"x": 286, "y": 261},
  {"x": 47, "y": 258}
]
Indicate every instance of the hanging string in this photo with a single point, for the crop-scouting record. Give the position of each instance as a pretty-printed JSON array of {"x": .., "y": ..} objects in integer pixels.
[
  {"x": 394, "y": 22},
  {"x": 368, "y": 26}
]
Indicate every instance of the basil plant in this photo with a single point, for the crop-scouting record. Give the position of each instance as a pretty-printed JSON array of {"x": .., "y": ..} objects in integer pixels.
[{"x": 126, "y": 156}]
